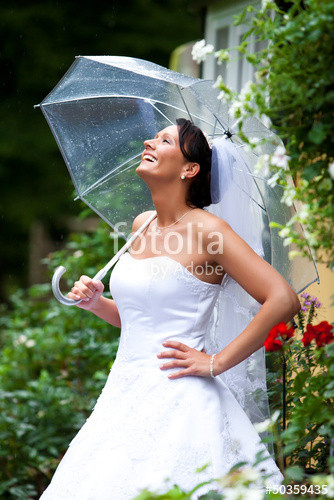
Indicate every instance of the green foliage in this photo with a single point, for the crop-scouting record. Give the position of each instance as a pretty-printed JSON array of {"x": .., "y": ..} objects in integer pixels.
[
  {"x": 310, "y": 407},
  {"x": 310, "y": 402},
  {"x": 54, "y": 363},
  {"x": 293, "y": 89}
]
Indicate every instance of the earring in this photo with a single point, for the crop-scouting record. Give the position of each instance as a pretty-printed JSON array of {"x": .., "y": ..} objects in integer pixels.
[{"x": 182, "y": 176}]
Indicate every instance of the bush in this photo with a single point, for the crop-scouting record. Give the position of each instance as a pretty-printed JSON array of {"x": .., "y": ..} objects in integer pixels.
[{"x": 54, "y": 362}]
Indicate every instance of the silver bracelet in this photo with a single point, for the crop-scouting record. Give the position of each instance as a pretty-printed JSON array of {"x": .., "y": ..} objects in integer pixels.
[{"x": 211, "y": 365}]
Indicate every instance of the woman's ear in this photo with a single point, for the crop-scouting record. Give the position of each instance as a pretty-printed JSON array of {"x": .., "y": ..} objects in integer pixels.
[{"x": 192, "y": 169}]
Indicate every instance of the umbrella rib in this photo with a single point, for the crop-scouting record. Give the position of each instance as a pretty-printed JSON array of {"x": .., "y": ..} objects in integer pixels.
[
  {"x": 107, "y": 179},
  {"x": 182, "y": 110},
  {"x": 219, "y": 121},
  {"x": 315, "y": 280},
  {"x": 159, "y": 111},
  {"x": 61, "y": 149},
  {"x": 108, "y": 175},
  {"x": 205, "y": 121},
  {"x": 309, "y": 248},
  {"x": 259, "y": 190},
  {"x": 253, "y": 175},
  {"x": 215, "y": 125},
  {"x": 130, "y": 97},
  {"x": 263, "y": 208},
  {"x": 64, "y": 101},
  {"x": 226, "y": 130},
  {"x": 103, "y": 217},
  {"x": 184, "y": 102}
]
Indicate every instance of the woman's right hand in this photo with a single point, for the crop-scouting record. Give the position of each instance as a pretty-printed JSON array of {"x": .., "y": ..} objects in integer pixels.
[{"x": 87, "y": 290}]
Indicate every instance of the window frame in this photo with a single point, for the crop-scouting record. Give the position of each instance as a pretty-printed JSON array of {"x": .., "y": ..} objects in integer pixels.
[{"x": 216, "y": 19}]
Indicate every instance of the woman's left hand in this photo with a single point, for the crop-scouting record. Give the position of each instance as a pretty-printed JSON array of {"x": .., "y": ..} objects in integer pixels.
[{"x": 194, "y": 362}]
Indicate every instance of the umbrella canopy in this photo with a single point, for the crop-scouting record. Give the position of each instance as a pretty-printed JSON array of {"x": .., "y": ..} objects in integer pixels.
[
  {"x": 104, "y": 108},
  {"x": 101, "y": 112}
]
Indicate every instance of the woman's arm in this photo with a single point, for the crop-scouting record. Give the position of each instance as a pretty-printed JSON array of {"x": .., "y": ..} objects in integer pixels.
[
  {"x": 107, "y": 310},
  {"x": 264, "y": 284},
  {"x": 90, "y": 292}
]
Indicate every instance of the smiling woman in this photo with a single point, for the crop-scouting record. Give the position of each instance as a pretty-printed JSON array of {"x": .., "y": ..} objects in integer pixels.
[{"x": 156, "y": 423}]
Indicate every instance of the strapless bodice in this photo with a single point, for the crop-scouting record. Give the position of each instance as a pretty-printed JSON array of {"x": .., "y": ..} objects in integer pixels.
[{"x": 159, "y": 299}]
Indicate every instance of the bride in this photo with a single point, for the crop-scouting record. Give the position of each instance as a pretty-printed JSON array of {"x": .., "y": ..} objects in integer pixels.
[{"x": 164, "y": 411}]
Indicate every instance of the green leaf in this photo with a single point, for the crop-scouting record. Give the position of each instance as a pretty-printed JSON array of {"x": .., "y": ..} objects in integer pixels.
[
  {"x": 238, "y": 19},
  {"x": 299, "y": 381},
  {"x": 311, "y": 171},
  {"x": 317, "y": 133},
  {"x": 294, "y": 473},
  {"x": 326, "y": 184}
]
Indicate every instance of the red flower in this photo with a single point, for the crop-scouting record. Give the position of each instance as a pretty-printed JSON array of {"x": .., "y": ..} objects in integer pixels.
[
  {"x": 272, "y": 343},
  {"x": 309, "y": 335},
  {"x": 285, "y": 332},
  {"x": 322, "y": 334}
]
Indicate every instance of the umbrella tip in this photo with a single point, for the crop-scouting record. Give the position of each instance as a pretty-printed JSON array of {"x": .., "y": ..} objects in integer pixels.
[{"x": 37, "y": 106}]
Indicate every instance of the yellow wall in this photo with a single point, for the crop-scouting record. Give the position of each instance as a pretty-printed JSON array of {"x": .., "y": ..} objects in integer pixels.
[{"x": 324, "y": 291}]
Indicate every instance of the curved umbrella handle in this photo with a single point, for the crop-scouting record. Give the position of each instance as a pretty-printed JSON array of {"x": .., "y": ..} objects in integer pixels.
[
  {"x": 56, "y": 290},
  {"x": 101, "y": 274}
]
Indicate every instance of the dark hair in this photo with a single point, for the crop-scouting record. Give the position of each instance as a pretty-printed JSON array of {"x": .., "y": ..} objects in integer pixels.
[{"x": 195, "y": 148}]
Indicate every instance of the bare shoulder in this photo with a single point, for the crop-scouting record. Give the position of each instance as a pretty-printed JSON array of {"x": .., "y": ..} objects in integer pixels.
[
  {"x": 217, "y": 229},
  {"x": 210, "y": 222},
  {"x": 140, "y": 219}
]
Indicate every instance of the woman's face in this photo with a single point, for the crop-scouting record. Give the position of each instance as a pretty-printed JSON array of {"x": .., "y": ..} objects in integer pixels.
[{"x": 162, "y": 157}]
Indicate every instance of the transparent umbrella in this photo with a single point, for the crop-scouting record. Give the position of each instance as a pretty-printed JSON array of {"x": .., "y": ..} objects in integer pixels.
[{"x": 100, "y": 113}]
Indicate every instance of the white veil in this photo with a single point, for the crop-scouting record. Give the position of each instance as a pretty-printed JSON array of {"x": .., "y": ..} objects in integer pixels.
[{"x": 236, "y": 199}]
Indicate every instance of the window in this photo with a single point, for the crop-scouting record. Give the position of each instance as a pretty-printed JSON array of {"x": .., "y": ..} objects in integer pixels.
[{"x": 222, "y": 34}]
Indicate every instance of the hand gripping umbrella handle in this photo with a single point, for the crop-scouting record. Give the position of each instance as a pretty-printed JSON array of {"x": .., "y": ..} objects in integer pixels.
[{"x": 101, "y": 274}]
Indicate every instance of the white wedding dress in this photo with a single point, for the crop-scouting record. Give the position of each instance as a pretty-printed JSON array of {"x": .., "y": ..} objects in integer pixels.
[{"x": 146, "y": 427}]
